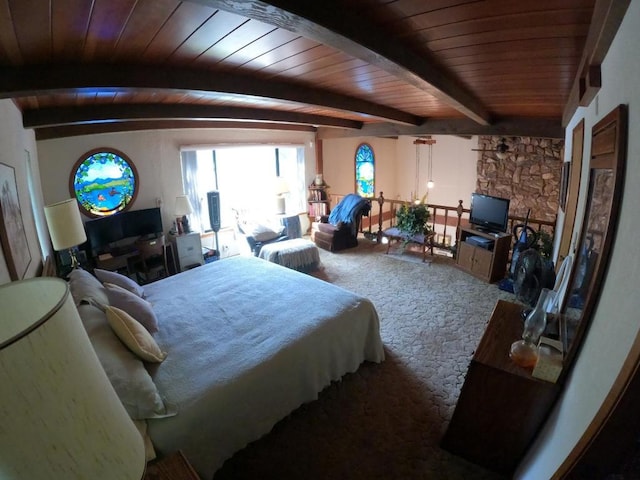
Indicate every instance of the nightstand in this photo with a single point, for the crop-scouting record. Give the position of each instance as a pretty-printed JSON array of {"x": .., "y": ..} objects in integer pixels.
[
  {"x": 172, "y": 467},
  {"x": 187, "y": 250}
]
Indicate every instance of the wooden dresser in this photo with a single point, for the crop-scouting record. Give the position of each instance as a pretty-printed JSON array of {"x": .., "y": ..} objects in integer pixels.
[{"x": 501, "y": 406}]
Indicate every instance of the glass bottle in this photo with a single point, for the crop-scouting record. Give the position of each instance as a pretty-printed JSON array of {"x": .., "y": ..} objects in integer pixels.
[{"x": 525, "y": 352}]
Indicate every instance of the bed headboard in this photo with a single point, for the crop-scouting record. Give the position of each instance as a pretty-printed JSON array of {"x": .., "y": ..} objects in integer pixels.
[{"x": 48, "y": 267}]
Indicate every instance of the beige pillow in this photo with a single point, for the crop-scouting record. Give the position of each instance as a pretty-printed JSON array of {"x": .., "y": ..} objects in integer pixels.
[{"x": 134, "y": 335}]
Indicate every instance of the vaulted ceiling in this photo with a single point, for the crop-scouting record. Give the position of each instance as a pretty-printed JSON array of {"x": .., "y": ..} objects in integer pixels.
[{"x": 351, "y": 67}]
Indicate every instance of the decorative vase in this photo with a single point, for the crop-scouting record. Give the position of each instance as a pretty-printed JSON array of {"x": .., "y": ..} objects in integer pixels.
[{"x": 525, "y": 352}]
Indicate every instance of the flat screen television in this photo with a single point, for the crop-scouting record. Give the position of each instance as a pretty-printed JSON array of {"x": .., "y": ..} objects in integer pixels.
[
  {"x": 103, "y": 232},
  {"x": 136, "y": 223},
  {"x": 489, "y": 213}
]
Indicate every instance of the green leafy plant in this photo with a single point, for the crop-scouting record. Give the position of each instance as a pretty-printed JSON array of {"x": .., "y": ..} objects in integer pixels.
[
  {"x": 545, "y": 244},
  {"x": 412, "y": 219}
]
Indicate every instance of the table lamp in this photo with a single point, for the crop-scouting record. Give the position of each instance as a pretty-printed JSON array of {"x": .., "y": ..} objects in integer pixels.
[
  {"x": 282, "y": 188},
  {"x": 183, "y": 208},
  {"x": 65, "y": 227},
  {"x": 60, "y": 416}
]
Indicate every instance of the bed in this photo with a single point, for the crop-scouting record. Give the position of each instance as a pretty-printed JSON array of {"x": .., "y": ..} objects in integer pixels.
[{"x": 247, "y": 342}]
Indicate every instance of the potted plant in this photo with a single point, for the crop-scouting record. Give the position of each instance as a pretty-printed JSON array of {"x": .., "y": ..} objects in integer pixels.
[{"x": 412, "y": 219}]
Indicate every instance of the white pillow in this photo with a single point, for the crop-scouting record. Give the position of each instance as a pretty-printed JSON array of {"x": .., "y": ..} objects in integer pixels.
[
  {"x": 264, "y": 233},
  {"x": 105, "y": 276},
  {"x": 84, "y": 286},
  {"x": 127, "y": 373},
  {"x": 135, "y": 306}
]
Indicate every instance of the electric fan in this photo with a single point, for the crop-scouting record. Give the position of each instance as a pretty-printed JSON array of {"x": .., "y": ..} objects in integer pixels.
[{"x": 532, "y": 274}]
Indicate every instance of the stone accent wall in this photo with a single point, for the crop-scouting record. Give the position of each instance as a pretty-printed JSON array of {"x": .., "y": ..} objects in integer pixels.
[{"x": 529, "y": 176}]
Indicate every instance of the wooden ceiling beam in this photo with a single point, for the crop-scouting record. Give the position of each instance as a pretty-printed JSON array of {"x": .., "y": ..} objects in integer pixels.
[
  {"x": 331, "y": 23},
  {"x": 526, "y": 127},
  {"x": 49, "y": 133},
  {"x": 59, "y": 116},
  {"x": 54, "y": 79}
]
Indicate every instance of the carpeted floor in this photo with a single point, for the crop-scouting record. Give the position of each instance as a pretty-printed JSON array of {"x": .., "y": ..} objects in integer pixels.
[{"x": 385, "y": 421}]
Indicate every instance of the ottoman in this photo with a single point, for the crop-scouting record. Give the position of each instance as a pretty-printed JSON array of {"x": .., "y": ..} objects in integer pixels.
[{"x": 297, "y": 254}]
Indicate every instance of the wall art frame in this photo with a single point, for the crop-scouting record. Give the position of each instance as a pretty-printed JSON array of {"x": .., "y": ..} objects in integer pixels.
[{"x": 13, "y": 236}]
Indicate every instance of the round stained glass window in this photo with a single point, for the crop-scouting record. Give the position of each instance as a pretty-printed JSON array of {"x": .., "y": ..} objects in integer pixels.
[{"x": 104, "y": 181}]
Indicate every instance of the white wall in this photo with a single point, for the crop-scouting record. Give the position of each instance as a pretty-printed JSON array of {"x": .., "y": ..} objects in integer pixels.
[
  {"x": 615, "y": 323},
  {"x": 338, "y": 161},
  {"x": 15, "y": 142},
  {"x": 156, "y": 155},
  {"x": 454, "y": 167}
]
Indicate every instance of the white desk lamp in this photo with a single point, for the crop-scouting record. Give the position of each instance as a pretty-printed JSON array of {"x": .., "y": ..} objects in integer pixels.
[
  {"x": 183, "y": 208},
  {"x": 282, "y": 188},
  {"x": 60, "y": 416},
  {"x": 65, "y": 227}
]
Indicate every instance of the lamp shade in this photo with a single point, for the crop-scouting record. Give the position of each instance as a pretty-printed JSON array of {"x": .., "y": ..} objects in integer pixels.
[
  {"x": 60, "y": 417},
  {"x": 183, "y": 206},
  {"x": 281, "y": 186},
  {"x": 65, "y": 224}
]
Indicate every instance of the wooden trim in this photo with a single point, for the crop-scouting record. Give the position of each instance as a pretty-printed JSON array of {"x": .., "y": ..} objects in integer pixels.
[
  {"x": 613, "y": 398},
  {"x": 505, "y": 127},
  {"x": 605, "y": 22},
  {"x": 319, "y": 158}
]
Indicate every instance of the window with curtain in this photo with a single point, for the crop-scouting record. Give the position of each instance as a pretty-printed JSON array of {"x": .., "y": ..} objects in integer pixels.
[
  {"x": 365, "y": 171},
  {"x": 246, "y": 179}
]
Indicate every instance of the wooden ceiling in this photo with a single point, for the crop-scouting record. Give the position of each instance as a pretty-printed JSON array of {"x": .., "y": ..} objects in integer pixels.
[{"x": 351, "y": 67}]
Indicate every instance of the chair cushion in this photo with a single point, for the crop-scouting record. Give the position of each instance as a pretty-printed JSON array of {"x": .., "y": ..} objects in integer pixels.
[
  {"x": 263, "y": 233},
  {"x": 327, "y": 227}
]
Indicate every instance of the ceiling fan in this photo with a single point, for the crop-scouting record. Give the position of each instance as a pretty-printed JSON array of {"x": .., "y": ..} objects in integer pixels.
[{"x": 501, "y": 149}]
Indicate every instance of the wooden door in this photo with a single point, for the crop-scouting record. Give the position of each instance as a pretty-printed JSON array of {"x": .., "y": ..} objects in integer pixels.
[
  {"x": 483, "y": 261},
  {"x": 573, "y": 189}
]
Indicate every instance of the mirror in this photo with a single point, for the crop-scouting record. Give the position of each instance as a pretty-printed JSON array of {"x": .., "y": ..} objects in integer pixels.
[{"x": 606, "y": 174}]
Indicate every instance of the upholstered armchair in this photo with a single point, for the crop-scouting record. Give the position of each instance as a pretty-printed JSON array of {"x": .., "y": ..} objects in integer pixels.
[
  {"x": 339, "y": 230},
  {"x": 260, "y": 233}
]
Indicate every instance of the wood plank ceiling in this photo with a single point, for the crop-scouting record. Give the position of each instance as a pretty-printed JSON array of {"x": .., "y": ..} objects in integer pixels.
[{"x": 352, "y": 67}]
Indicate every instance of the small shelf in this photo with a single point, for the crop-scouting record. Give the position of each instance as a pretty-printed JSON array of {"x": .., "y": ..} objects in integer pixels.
[{"x": 318, "y": 201}]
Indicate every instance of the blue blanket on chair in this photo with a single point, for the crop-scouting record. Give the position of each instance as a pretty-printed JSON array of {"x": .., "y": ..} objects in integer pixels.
[{"x": 347, "y": 210}]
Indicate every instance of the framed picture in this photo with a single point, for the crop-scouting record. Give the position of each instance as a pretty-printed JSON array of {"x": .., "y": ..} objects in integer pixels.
[{"x": 12, "y": 235}]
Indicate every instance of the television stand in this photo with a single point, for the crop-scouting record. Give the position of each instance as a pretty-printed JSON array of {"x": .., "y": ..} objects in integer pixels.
[{"x": 482, "y": 254}]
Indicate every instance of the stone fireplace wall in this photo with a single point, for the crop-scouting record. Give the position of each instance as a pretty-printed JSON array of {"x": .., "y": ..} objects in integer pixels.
[{"x": 529, "y": 176}]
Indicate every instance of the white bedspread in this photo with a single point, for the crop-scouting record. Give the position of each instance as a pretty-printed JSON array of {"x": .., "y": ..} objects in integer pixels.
[{"x": 248, "y": 342}]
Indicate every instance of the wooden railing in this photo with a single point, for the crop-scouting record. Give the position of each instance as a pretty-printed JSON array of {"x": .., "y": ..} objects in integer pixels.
[{"x": 444, "y": 220}]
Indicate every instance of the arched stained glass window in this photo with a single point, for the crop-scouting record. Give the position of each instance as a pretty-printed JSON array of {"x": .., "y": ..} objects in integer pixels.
[
  {"x": 365, "y": 171},
  {"x": 104, "y": 181}
]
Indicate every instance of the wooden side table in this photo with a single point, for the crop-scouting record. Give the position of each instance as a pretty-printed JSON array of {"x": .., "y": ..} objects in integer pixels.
[
  {"x": 426, "y": 241},
  {"x": 172, "y": 467},
  {"x": 501, "y": 406}
]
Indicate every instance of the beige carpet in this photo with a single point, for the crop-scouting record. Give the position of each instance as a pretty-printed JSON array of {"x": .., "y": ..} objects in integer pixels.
[{"x": 385, "y": 421}]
